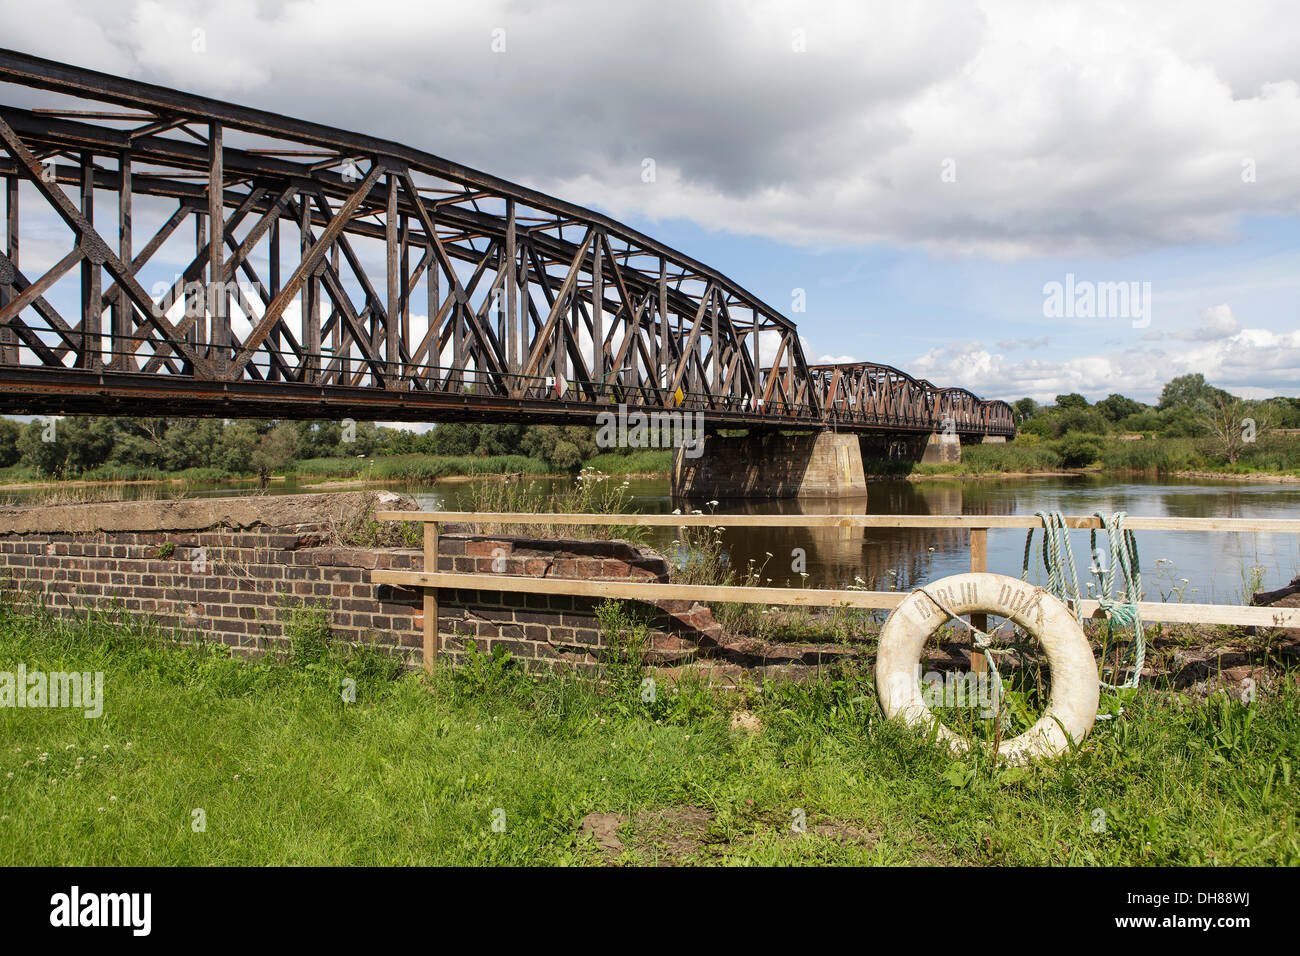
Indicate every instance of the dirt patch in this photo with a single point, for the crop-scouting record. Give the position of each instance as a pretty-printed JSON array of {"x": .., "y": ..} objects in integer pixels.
[
  {"x": 840, "y": 831},
  {"x": 603, "y": 828},
  {"x": 662, "y": 837}
]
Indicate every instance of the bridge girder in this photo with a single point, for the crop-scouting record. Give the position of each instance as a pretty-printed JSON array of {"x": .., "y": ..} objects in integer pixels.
[{"x": 534, "y": 308}]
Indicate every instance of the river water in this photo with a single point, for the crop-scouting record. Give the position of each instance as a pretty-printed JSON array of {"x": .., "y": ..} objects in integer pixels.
[{"x": 1200, "y": 567}]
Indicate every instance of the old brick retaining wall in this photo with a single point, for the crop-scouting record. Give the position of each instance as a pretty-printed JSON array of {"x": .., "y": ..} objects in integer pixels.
[{"x": 230, "y": 570}]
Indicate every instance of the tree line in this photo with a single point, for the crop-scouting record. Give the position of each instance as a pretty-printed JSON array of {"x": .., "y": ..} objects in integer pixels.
[
  {"x": 1188, "y": 407},
  {"x": 81, "y": 446}
]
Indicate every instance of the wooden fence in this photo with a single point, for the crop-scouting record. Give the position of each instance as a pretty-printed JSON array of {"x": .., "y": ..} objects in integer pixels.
[{"x": 978, "y": 526}]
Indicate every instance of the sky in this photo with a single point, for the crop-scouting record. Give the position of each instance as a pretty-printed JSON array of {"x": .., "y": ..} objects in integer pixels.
[{"x": 1018, "y": 198}]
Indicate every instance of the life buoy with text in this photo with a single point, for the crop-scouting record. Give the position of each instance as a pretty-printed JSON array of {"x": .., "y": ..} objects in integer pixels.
[{"x": 1072, "y": 703}]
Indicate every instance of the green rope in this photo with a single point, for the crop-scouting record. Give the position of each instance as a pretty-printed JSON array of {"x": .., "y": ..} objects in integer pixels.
[
  {"x": 1063, "y": 582},
  {"x": 1063, "y": 579},
  {"x": 1121, "y": 612}
]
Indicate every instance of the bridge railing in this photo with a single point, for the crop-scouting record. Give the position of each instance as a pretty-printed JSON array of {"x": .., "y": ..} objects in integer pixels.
[{"x": 430, "y": 580}]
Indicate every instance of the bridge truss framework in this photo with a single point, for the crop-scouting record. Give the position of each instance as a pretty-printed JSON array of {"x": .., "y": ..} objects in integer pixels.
[{"x": 332, "y": 274}]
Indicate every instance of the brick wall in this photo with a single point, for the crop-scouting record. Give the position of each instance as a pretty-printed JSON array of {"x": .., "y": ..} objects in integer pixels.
[{"x": 217, "y": 570}]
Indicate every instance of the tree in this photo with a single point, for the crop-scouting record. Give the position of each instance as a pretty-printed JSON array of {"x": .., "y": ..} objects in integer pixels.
[
  {"x": 9, "y": 432},
  {"x": 1234, "y": 424},
  {"x": 1078, "y": 451},
  {"x": 138, "y": 442},
  {"x": 1191, "y": 390},
  {"x": 65, "y": 447},
  {"x": 1075, "y": 419},
  {"x": 235, "y": 447},
  {"x": 1182, "y": 421},
  {"x": 1073, "y": 400},
  {"x": 1147, "y": 420},
  {"x": 454, "y": 438},
  {"x": 1116, "y": 407},
  {"x": 1025, "y": 409},
  {"x": 563, "y": 447},
  {"x": 191, "y": 443},
  {"x": 275, "y": 450},
  {"x": 502, "y": 439}
]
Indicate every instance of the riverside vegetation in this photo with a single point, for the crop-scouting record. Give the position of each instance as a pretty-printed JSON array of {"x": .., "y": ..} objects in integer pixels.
[
  {"x": 485, "y": 764},
  {"x": 1194, "y": 427}
]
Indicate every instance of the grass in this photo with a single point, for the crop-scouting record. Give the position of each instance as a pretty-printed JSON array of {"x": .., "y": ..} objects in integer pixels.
[
  {"x": 395, "y": 468},
  {"x": 657, "y": 462},
  {"x": 1272, "y": 454},
  {"x": 592, "y": 492},
  {"x": 417, "y": 770},
  {"x": 418, "y": 468}
]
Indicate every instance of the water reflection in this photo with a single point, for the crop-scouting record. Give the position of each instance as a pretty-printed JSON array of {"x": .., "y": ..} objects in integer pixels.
[{"x": 1199, "y": 566}]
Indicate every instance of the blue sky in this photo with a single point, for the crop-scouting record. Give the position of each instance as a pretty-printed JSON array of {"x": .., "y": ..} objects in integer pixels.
[
  {"x": 893, "y": 305},
  {"x": 921, "y": 170}
]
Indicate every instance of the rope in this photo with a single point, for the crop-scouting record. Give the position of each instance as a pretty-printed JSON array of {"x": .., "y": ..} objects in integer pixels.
[
  {"x": 1063, "y": 582},
  {"x": 984, "y": 642},
  {"x": 1124, "y": 611},
  {"x": 1121, "y": 611}
]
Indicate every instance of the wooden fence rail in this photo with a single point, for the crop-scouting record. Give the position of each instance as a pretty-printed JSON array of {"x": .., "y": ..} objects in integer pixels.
[{"x": 430, "y": 580}]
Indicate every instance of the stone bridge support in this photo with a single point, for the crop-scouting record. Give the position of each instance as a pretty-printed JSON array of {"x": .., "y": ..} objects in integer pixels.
[
  {"x": 936, "y": 448},
  {"x": 771, "y": 465}
]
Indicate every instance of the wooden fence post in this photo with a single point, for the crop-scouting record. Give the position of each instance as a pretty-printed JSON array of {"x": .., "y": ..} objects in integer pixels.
[
  {"x": 430, "y": 596},
  {"x": 979, "y": 561}
]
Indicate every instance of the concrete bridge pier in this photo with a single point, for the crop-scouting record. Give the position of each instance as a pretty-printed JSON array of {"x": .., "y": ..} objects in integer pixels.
[
  {"x": 939, "y": 448},
  {"x": 771, "y": 465},
  {"x": 936, "y": 448}
]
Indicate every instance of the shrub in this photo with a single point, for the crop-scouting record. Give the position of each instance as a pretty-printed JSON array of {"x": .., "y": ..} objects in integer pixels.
[
  {"x": 1078, "y": 451},
  {"x": 1016, "y": 457}
]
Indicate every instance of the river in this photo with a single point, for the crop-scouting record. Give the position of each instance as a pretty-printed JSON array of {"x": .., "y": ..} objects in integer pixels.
[{"x": 1200, "y": 567}]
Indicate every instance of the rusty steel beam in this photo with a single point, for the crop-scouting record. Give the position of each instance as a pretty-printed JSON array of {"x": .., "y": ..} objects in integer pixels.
[{"x": 536, "y": 309}]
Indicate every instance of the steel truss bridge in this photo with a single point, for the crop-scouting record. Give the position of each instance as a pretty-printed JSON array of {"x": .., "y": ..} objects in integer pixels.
[{"x": 291, "y": 270}]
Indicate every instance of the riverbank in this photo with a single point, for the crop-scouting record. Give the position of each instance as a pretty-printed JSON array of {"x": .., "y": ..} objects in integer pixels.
[
  {"x": 1154, "y": 457},
  {"x": 956, "y": 475}
]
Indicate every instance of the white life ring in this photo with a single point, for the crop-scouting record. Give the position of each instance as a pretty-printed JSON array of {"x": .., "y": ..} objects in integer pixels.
[{"x": 1072, "y": 705}]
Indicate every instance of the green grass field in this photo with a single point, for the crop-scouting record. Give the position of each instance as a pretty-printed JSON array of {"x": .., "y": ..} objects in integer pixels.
[{"x": 285, "y": 771}]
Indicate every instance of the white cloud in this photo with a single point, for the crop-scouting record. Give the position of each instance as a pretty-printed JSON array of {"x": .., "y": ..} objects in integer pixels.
[
  {"x": 1028, "y": 342},
  {"x": 1072, "y": 127},
  {"x": 1217, "y": 322},
  {"x": 1250, "y": 362}
]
